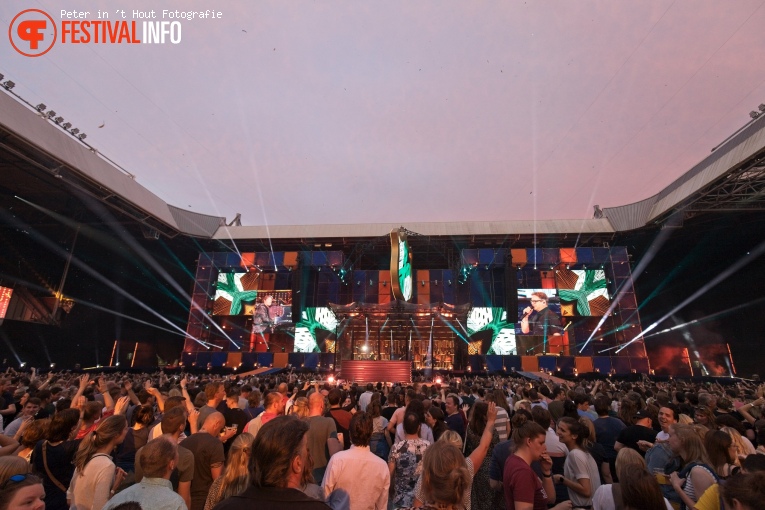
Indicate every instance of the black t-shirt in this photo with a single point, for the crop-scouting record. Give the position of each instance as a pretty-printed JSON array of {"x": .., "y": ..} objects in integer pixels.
[
  {"x": 235, "y": 417},
  {"x": 59, "y": 461},
  {"x": 208, "y": 451},
  {"x": 630, "y": 436},
  {"x": 387, "y": 412},
  {"x": 544, "y": 323}
]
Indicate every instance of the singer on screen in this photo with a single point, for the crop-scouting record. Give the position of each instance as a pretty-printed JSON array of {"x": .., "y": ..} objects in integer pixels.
[
  {"x": 539, "y": 320},
  {"x": 261, "y": 324}
]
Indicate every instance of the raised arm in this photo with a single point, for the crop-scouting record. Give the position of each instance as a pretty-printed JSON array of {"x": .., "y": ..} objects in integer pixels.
[
  {"x": 156, "y": 394},
  {"x": 131, "y": 394},
  {"x": 84, "y": 379},
  {"x": 483, "y": 447},
  {"x": 103, "y": 389},
  {"x": 8, "y": 445},
  {"x": 744, "y": 410},
  {"x": 185, "y": 393}
]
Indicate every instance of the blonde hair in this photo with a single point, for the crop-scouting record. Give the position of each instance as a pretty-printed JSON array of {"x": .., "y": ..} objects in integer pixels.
[
  {"x": 236, "y": 474},
  {"x": 628, "y": 457},
  {"x": 109, "y": 429},
  {"x": 741, "y": 447},
  {"x": 11, "y": 465},
  {"x": 300, "y": 407},
  {"x": 691, "y": 446},
  {"x": 522, "y": 404},
  {"x": 684, "y": 419},
  {"x": 451, "y": 437},
  {"x": 445, "y": 476}
]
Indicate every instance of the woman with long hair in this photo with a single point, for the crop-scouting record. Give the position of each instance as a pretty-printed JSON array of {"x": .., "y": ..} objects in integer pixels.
[
  {"x": 482, "y": 495},
  {"x": 96, "y": 477},
  {"x": 744, "y": 447},
  {"x": 380, "y": 442},
  {"x": 640, "y": 490},
  {"x": 19, "y": 489},
  {"x": 415, "y": 406},
  {"x": 435, "y": 420},
  {"x": 137, "y": 436},
  {"x": 236, "y": 474},
  {"x": 704, "y": 415},
  {"x": 502, "y": 424},
  {"x": 609, "y": 496},
  {"x": 300, "y": 407},
  {"x": 581, "y": 475},
  {"x": 445, "y": 477},
  {"x": 476, "y": 458},
  {"x": 696, "y": 474},
  {"x": 52, "y": 458},
  {"x": 522, "y": 487},
  {"x": 721, "y": 452},
  {"x": 34, "y": 432}
]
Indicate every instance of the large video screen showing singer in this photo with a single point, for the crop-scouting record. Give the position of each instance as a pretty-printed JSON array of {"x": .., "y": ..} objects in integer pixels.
[{"x": 540, "y": 323}]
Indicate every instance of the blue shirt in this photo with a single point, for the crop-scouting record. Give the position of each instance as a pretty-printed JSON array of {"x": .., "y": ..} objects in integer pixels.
[{"x": 150, "y": 493}]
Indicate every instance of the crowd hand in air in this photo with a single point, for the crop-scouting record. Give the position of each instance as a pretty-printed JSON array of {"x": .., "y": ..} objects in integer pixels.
[
  {"x": 491, "y": 414},
  {"x": 122, "y": 405},
  {"x": 80, "y": 403}
]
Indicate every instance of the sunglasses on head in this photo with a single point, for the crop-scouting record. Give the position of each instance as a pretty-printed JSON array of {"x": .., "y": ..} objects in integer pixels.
[{"x": 14, "y": 479}]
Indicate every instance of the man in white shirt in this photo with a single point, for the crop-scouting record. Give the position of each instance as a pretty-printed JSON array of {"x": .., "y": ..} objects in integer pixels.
[
  {"x": 366, "y": 397},
  {"x": 345, "y": 468}
]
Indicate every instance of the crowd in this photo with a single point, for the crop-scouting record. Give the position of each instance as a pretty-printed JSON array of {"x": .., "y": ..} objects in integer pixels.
[{"x": 153, "y": 441}]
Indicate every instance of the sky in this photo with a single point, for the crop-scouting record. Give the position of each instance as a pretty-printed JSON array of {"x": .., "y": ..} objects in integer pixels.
[{"x": 401, "y": 111}]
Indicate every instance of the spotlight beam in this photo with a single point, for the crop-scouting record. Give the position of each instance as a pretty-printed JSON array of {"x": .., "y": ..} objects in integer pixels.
[
  {"x": 54, "y": 248},
  {"x": 450, "y": 326},
  {"x": 137, "y": 248},
  {"x": 656, "y": 245},
  {"x": 89, "y": 304},
  {"x": 708, "y": 317},
  {"x": 100, "y": 210},
  {"x": 743, "y": 261}
]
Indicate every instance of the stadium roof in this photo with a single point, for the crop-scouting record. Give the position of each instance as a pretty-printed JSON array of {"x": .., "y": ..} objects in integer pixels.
[{"x": 35, "y": 147}]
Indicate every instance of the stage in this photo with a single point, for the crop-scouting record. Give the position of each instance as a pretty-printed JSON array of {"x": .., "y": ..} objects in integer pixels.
[{"x": 324, "y": 310}]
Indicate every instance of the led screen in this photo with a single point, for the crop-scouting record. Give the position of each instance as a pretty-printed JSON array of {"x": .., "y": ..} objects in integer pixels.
[
  {"x": 494, "y": 321},
  {"x": 315, "y": 325},
  {"x": 582, "y": 292},
  {"x": 240, "y": 293}
]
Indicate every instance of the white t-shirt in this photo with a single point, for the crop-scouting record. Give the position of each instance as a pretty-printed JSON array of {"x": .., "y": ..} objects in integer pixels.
[{"x": 580, "y": 464}]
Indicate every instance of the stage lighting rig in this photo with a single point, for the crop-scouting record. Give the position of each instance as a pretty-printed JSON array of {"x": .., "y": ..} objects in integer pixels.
[
  {"x": 66, "y": 125},
  {"x": 9, "y": 85},
  {"x": 41, "y": 107}
]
